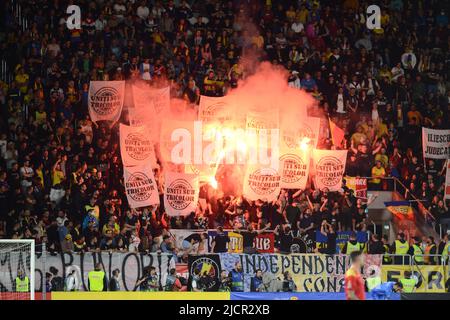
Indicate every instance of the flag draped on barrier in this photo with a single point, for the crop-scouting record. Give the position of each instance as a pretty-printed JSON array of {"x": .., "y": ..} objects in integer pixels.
[
  {"x": 359, "y": 186},
  {"x": 106, "y": 100},
  {"x": 310, "y": 272},
  {"x": 401, "y": 209},
  {"x": 428, "y": 278}
]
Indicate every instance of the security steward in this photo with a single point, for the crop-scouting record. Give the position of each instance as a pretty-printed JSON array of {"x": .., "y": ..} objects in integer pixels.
[
  {"x": 97, "y": 279},
  {"x": 430, "y": 251},
  {"x": 352, "y": 245},
  {"x": 446, "y": 251},
  {"x": 373, "y": 281},
  {"x": 237, "y": 278},
  {"x": 22, "y": 282},
  {"x": 386, "y": 258},
  {"x": 408, "y": 283},
  {"x": 416, "y": 250},
  {"x": 400, "y": 249}
]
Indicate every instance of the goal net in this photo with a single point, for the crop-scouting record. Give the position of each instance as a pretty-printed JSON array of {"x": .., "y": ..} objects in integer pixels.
[{"x": 17, "y": 259}]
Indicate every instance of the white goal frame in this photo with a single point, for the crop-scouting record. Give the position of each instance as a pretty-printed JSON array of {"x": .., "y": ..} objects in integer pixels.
[{"x": 32, "y": 261}]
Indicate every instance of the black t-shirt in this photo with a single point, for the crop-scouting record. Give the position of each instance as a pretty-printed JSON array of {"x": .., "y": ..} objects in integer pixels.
[
  {"x": 248, "y": 238},
  {"x": 292, "y": 214},
  {"x": 221, "y": 241},
  {"x": 285, "y": 242},
  {"x": 306, "y": 221},
  {"x": 331, "y": 243}
]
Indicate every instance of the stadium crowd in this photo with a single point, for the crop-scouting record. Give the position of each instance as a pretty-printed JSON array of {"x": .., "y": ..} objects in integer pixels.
[{"x": 61, "y": 177}]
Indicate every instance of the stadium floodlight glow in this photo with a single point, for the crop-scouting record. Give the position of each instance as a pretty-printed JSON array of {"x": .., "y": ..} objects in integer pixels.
[{"x": 16, "y": 249}]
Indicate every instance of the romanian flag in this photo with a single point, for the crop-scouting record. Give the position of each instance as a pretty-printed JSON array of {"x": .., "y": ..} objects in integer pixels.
[
  {"x": 337, "y": 134},
  {"x": 400, "y": 209}
]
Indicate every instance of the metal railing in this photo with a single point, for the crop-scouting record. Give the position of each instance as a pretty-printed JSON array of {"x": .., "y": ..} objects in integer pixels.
[
  {"x": 415, "y": 260},
  {"x": 5, "y": 72},
  {"x": 21, "y": 19},
  {"x": 399, "y": 186},
  {"x": 22, "y": 22}
]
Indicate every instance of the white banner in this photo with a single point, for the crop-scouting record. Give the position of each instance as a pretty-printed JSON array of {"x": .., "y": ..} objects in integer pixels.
[
  {"x": 259, "y": 120},
  {"x": 293, "y": 134},
  {"x": 329, "y": 166},
  {"x": 167, "y": 145},
  {"x": 436, "y": 143},
  {"x": 447, "y": 181},
  {"x": 130, "y": 265},
  {"x": 294, "y": 169},
  {"x": 261, "y": 183},
  {"x": 136, "y": 146},
  {"x": 161, "y": 99},
  {"x": 215, "y": 110},
  {"x": 140, "y": 186},
  {"x": 143, "y": 110},
  {"x": 180, "y": 193},
  {"x": 106, "y": 100}
]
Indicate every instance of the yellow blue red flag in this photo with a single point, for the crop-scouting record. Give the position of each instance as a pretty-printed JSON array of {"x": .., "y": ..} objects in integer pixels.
[{"x": 401, "y": 209}]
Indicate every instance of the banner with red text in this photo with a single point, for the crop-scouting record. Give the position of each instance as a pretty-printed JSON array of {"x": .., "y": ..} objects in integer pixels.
[
  {"x": 106, "y": 100},
  {"x": 359, "y": 187},
  {"x": 328, "y": 169}
]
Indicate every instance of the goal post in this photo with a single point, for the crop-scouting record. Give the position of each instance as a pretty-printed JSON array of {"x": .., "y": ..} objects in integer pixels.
[{"x": 18, "y": 257}]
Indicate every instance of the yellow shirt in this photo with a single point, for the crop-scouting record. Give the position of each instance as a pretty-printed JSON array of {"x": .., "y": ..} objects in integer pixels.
[
  {"x": 383, "y": 158},
  {"x": 22, "y": 80},
  {"x": 290, "y": 14},
  {"x": 57, "y": 177},
  {"x": 108, "y": 229},
  {"x": 157, "y": 38},
  {"x": 303, "y": 15},
  {"x": 40, "y": 174},
  {"x": 41, "y": 117},
  {"x": 382, "y": 130},
  {"x": 384, "y": 19},
  {"x": 377, "y": 172},
  {"x": 358, "y": 137}
]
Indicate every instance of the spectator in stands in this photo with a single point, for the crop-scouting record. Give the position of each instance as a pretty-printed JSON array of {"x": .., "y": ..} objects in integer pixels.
[
  {"x": 114, "y": 283},
  {"x": 54, "y": 153},
  {"x": 256, "y": 282},
  {"x": 288, "y": 283},
  {"x": 220, "y": 241}
]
